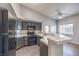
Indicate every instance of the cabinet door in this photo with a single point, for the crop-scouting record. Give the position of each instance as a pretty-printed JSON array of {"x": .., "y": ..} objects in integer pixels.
[
  {"x": 24, "y": 25},
  {"x": 38, "y": 26},
  {"x": 43, "y": 49},
  {"x": 19, "y": 43},
  {"x": 25, "y": 41},
  {"x": 12, "y": 24},
  {"x": 18, "y": 24},
  {"x": 11, "y": 43}
]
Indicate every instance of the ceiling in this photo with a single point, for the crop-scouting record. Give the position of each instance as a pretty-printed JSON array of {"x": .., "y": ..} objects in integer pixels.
[{"x": 51, "y": 9}]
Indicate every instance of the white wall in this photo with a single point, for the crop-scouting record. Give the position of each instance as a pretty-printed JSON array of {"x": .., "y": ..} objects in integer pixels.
[
  {"x": 9, "y": 8},
  {"x": 16, "y": 10},
  {"x": 75, "y": 21},
  {"x": 51, "y": 23},
  {"x": 29, "y": 14}
]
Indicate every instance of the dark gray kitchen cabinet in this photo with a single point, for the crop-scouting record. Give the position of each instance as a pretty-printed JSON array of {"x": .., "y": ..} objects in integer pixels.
[
  {"x": 12, "y": 24},
  {"x": 12, "y": 46},
  {"x": 37, "y": 25},
  {"x": 24, "y": 25},
  {"x": 25, "y": 41},
  {"x": 29, "y": 23},
  {"x": 11, "y": 43},
  {"x": 19, "y": 42},
  {"x": 43, "y": 49},
  {"x": 18, "y": 24}
]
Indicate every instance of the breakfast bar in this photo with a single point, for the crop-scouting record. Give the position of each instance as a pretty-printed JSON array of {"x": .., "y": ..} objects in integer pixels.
[{"x": 54, "y": 44}]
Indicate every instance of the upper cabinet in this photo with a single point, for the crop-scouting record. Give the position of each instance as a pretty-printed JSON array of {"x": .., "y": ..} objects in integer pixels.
[
  {"x": 11, "y": 24},
  {"x": 18, "y": 24},
  {"x": 37, "y": 25},
  {"x": 24, "y": 25},
  {"x": 14, "y": 24}
]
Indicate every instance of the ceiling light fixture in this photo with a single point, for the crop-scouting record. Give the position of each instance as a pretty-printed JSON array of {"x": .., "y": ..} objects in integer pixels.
[{"x": 60, "y": 17}]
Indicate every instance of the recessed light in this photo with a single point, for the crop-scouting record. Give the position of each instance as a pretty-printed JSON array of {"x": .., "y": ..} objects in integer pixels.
[{"x": 60, "y": 17}]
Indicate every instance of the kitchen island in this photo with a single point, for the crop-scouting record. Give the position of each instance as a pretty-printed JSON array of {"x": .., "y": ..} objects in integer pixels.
[{"x": 54, "y": 44}]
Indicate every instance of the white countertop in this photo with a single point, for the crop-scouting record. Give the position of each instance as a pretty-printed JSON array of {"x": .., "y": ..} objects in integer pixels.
[
  {"x": 44, "y": 40},
  {"x": 58, "y": 39},
  {"x": 55, "y": 39},
  {"x": 17, "y": 36},
  {"x": 20, "y": 35}
]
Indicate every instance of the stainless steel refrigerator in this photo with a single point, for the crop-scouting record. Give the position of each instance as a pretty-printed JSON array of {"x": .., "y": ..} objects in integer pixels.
[
  {"x": 4, "y": 35},
  {"x": 3, "y": 32}
]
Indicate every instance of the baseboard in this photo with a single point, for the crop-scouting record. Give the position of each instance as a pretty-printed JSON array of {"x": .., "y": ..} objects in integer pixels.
[{"x": 19, "y": 48}]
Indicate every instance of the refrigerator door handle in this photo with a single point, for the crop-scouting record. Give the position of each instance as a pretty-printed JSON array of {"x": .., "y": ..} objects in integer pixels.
[{"x": 4, "y": 33}]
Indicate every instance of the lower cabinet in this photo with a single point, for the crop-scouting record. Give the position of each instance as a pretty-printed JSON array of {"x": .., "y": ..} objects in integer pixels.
[
  {"x": 12, "y": 46},
  {"x": 25, "y": 41},
  {"x": 43, "y": 49},
  {"x": 11, "y": 43},
  {"x": 32, "y": 40},
  {"x": 19, "y": 42}
]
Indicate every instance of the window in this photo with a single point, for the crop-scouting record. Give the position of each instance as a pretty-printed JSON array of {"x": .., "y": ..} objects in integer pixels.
[
  {"x": 47, "y": 29},
  {"x": 66, "y": 29},
  {"x": 52, "y": 29}
]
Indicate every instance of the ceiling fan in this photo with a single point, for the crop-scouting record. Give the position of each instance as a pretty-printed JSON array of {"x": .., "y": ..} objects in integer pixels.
[{"x": 59, "y": 14}]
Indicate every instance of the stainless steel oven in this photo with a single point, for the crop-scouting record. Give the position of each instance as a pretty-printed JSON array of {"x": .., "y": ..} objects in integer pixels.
[{"x": 31, "y": 35}]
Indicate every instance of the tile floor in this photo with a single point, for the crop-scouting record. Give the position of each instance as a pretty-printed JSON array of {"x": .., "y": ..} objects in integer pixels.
[
  {"x": 69, "y": 50},
  {"x": 29, "y": 51}
]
